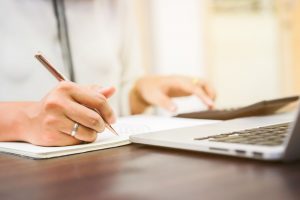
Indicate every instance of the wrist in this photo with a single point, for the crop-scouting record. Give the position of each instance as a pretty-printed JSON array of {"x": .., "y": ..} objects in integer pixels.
[
  {"x": 16, "y": 124},
  {"x": 28, "y": 113},
  {"x": 23, "y": 120},
  {"x": 137, "y": 103}
]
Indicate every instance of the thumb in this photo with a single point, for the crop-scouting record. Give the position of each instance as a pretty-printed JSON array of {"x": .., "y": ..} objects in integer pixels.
[{"x": 108, "y": 91}]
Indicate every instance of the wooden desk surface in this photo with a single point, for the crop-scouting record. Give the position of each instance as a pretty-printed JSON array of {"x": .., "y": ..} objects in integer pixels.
[{"x": 144, "y": 172}]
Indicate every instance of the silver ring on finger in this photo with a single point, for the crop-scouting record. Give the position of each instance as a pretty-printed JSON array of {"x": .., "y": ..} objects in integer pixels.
[{"x": 75, "y": 129}]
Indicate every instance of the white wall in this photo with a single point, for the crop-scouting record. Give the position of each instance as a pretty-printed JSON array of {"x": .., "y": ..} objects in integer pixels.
[
  {"x": 245, "y": 57},
  {"x": 177, "y": 36}
]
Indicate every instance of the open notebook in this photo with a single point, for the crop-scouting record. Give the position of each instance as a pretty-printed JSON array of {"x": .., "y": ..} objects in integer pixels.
[{"x": 125, "y": 126}]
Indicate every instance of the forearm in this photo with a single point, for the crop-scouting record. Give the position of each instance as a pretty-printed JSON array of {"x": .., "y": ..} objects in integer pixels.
[{"x": 14, "y": 121}]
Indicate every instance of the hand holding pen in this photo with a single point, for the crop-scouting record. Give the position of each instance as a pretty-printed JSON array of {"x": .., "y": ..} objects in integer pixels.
[{"x": 70, "y": 114}]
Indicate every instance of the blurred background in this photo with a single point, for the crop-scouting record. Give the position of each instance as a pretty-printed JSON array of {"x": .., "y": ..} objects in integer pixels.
[{"x": 248, "y": 49}]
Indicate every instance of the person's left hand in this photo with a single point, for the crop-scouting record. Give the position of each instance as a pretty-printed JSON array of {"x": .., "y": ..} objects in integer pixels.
[{"x": 158, "y": 91}]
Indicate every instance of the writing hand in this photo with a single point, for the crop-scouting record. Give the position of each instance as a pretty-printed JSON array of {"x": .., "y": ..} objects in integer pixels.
[{"x": 53, "y": 118}]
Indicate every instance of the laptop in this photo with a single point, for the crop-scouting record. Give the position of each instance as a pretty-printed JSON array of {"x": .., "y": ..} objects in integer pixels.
[{"x": 273, "y": 138}]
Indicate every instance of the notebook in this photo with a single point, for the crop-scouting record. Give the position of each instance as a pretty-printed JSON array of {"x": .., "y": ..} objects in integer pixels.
[{"x": 125, "y": 126}]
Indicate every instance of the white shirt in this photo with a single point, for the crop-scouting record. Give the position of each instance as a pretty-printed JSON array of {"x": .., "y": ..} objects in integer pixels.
[{"x": 103, "y": 43}]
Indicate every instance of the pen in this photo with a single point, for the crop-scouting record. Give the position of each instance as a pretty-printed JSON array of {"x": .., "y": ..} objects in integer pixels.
[{"x": 61, "y": 77}]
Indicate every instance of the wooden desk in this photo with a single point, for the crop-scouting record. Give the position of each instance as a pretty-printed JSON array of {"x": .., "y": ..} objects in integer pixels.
[{"x": 143, "y": 172}]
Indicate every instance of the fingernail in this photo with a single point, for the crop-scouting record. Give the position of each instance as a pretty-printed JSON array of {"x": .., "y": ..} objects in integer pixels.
[
  {"x": 173, "y": 108},
  {"x": 209, "y": 102},
  {"x": 100, "y": 89},
  {"x": 112, "y": 119}
]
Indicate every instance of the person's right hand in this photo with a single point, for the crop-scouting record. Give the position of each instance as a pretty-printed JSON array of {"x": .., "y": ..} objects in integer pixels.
[{"x": 52, "y": 119}]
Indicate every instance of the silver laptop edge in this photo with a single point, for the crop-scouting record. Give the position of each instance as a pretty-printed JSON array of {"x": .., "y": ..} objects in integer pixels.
[
  {"x": 183, "y": 138},
  {"x": 292, "y": 143}
]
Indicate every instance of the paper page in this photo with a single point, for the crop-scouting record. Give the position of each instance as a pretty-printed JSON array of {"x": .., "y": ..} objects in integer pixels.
[{"x": 143, "y": 123}]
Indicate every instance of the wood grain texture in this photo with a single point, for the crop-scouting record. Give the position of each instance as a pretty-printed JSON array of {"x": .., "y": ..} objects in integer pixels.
[{"x": 144, "y": 172}]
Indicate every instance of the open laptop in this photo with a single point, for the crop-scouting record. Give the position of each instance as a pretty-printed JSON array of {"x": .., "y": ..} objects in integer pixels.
[{"x": 274, "y": 137}]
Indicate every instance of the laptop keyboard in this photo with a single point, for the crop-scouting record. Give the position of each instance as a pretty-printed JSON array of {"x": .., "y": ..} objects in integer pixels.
[{"x": 267, "y": 136}]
